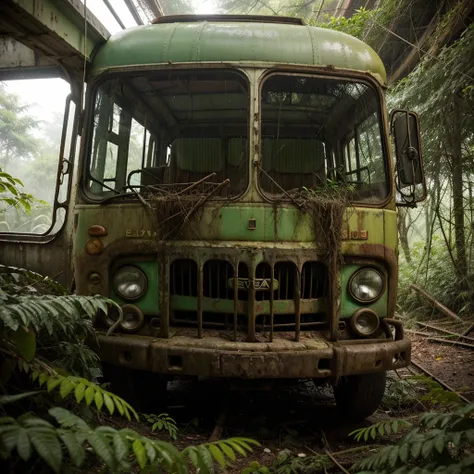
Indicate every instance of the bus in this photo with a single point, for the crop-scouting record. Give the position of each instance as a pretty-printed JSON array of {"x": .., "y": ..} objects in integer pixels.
[{"x": 215, "y": 154}]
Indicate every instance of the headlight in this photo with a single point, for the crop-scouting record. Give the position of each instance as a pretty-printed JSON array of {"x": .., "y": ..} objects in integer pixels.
[
  {"x": 366, "y": 285},
  {"x": 132, "y": 319},
  {"x": 130, "y": 283},
  {"x": 365, "y": 322}
]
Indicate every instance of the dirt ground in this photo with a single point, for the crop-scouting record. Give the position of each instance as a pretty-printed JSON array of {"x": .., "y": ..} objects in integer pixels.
[
  {"x": 454, "y": 365},
  {"x": 300, "y": 417}
]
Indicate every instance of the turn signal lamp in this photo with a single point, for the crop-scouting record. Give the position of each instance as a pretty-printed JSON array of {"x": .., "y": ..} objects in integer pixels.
[
  {"x": 94, "y": 246},
  {"x": 97, "y": 231}
]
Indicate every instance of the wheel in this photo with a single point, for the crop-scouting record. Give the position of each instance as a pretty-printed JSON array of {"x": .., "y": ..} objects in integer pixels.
[
  {"x": 358, "y": 396},
  {"x": 145, "y": 391}
]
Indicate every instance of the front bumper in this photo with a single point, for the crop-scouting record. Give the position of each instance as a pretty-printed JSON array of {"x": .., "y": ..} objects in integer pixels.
[{"x": 311, "y": 357}]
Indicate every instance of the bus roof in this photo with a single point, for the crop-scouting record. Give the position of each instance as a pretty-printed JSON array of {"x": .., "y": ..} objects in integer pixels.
[{"x": 232, "y": 39}]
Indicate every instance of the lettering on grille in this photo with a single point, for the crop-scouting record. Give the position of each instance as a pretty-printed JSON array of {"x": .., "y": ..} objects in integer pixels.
[{"x": 260, "y": 284}]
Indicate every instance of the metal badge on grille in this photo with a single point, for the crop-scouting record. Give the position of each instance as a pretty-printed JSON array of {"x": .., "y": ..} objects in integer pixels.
[{"x": 261, "y": 284}]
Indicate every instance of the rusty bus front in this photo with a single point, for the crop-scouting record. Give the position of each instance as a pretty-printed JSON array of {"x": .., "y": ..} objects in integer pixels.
[{"x": 198, "y": 136}]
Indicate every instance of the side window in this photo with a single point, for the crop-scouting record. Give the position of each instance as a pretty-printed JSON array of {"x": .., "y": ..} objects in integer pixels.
[
  {"x": 32, "y": 115},
  {"x": 137, "y": 151},
  {"x": 121, "y": 144},
  {"x": 363, "y": 159}
]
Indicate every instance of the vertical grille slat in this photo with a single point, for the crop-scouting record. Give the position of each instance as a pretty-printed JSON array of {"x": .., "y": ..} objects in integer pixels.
[
  {"x": 314, "y": 284},
  {"x": 199, "y": 302}
]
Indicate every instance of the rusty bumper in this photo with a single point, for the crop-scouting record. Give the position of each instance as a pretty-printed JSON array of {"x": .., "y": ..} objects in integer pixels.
[{"x": 215, "y": 357}]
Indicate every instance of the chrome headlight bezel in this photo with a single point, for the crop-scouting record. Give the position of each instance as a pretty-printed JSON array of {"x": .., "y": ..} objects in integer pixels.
[
  {"x": 138, "y": 318},
  {"x": 140, "y": 279},
  {"x": 365, "y": 312},
  {"x": 357, "y": 274}
]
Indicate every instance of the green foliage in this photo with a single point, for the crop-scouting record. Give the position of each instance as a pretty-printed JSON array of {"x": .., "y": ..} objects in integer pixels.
[
  {"x": 380, "y": 429},
  {"x": 162, "y": 422},
  {"x": 354, "y": 25},
  {"x": 16, "y": 127},
  {"x": 412, "y": 390},
  {"x": 121, "y": 450},
  {"x": 442, "y": 443},
  {"x": 399, "y": 394},
  {"x": 36, "y": 327},
  {"x": 82, "y": 391},
  {"x": 287, "y": 463},
  {"x": 436, "y": 394},
  {"x": 435, "y": 273},
  {"x": 19, "y": 281},
  {"x": 255, "y": 468},
  {"x": 12, "y": 196},
  {"x": 66, "y": 314}
]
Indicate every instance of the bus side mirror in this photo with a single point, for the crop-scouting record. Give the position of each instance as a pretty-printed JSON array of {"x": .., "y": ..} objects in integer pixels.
[{"x": 409, "y": 175}]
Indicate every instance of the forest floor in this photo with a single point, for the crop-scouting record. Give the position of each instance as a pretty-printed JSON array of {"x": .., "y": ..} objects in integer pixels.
[{"x": 303, "y": 419}]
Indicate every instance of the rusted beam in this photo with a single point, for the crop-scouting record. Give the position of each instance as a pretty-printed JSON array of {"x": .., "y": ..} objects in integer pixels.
[
  {"x": 439, "y": 306},
  {"x": 468, "y": 330},
  {"x": 415, "y": 54},
  {"x": 18, "y": 61},
  {"x": 65, "y": 31},
  {"x": 451, "y": 343},
  {"x": 419, "y": 333},
  {"x": 445, "y": 331}
]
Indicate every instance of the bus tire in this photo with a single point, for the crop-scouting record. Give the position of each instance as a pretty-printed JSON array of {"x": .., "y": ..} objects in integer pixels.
[
  {"x": 145, "y": 391},
  {"x": 358, "y": 396}
]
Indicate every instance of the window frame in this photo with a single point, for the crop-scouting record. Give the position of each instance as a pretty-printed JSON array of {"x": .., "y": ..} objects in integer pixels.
[
  {"x": 348, "y": 76},
  {"x": 84, "y": 167}
]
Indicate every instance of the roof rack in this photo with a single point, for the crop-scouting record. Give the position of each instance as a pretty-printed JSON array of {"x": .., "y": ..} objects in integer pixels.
[{"x": 231, "y": 18}]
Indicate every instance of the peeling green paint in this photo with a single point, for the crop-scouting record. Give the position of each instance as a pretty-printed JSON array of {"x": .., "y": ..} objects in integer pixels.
[{"x": 209, "y": 41}]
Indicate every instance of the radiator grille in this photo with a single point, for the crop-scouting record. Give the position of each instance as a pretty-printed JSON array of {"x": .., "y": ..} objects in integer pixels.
[
  {"x": 184, "y": 278},
  {"x": 213, "y": 298}
]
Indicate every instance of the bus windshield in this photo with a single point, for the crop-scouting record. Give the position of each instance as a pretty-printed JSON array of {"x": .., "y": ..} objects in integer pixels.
[
  {"x": 169, "y": 129},
  {"x": 318, "y": 131}
]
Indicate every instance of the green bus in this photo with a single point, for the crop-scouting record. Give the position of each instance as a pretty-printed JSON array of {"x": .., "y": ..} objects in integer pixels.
[{"x": 203, "y": 141}]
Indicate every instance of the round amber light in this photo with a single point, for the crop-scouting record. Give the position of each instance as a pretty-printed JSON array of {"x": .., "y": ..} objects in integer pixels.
[{"x": 94, "y": 246}]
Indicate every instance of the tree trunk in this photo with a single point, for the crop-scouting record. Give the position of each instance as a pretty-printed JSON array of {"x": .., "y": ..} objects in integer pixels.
[
  {"x": 403, "y": 234},
  {"x": 455, "y": 139}
]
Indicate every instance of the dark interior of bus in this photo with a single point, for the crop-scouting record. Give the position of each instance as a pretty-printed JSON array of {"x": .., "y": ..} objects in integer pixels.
[{"x": 174, "y": 128}]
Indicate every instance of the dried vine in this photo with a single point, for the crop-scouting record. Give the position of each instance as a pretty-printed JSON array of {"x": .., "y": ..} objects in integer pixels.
[
  {"x": 327, "y": 209},
  {"x": 171, "y": 207}
]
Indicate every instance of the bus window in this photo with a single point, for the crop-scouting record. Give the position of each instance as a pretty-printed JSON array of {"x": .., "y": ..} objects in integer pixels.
[
  {"x": 169, "y": 129},
  {"x": 315, "y": 130},
  {"x": 32, "y": 116}
]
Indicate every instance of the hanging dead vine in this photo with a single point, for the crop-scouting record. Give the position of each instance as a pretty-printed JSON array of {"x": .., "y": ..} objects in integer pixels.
[
  {"x": 327, "y": 207},
  {"x": 171, "y": 207}
]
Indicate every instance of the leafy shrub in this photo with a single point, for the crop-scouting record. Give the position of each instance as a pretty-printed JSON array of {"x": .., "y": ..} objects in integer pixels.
[
  {"x": 380, "y": 429},
  {"x": 162, "y": 422},
  {"x": 442, "y": 443},
  {"x": 435, "y": 274},
  {"x": 39, "y": 335},
  {"x": 287, "y": 463},
  {"x": 119, "y": 450}
]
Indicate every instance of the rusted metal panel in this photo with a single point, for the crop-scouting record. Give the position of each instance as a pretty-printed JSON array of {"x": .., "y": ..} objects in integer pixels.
[
  {"x": 18, "y": 61},
  {"x": 215, "y": 357},
  {"x": 208, "y": 41},
  {"x": 57, "y": 29}
]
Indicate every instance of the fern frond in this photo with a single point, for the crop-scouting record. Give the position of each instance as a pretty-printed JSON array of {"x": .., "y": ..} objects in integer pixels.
[
  {"x": 119, "y": 450},
  {"x": 84, "y": 391},
  {"x": 203, "y": 456},
  {"x": 66, "y": 314},
  {"x": 16, "y": 281},
  {"x": 433, "y": 447},
  {"x": 380, "y": 429}
]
